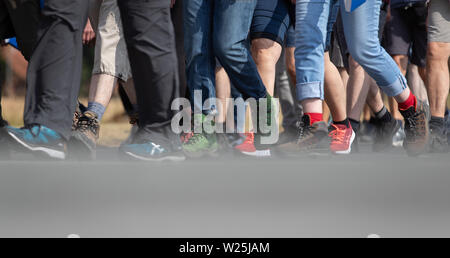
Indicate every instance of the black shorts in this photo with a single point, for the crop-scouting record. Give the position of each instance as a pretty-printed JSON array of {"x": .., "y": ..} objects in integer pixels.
[
  {"x": 271, "y": 20},
  {"x": 406, "y": 34}
]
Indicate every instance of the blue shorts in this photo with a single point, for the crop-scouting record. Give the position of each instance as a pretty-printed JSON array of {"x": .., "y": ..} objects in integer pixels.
[{"x": 271, "y": 20}]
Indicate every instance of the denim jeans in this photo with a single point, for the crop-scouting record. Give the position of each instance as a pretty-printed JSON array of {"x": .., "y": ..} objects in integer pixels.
[
  {"x": 361, "y": 33},
  {"x": 314, "y": 25},
  {"x": 219, "y": 29}
]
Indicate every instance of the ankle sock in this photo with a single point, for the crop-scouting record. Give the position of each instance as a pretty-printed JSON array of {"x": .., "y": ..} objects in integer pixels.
[
  {"x": 345, "y": 122},
  {"x": 384, "y": 115},
  {"x": 410, "y": 102},
  {"x": 96, "y": 108},
  {"x": 355, "y": 124},
  {"x": 314, "y": 117}
]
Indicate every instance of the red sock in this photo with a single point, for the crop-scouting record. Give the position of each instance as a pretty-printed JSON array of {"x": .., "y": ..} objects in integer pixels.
[
  {"x": 410, "y": 102},
  {"x": 315, "y": 117}
]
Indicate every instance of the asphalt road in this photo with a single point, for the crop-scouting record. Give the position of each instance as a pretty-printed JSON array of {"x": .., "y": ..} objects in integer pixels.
[{"x": 388, "y": 194}]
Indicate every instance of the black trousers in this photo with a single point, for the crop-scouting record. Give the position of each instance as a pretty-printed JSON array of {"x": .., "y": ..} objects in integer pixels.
[
  {"x": 54, "y": 71},
  {"x": 150, "y": 39}
]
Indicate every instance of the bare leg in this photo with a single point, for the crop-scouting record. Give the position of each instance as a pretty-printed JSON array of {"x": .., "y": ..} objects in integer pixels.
[
  {"x": 102, "y": 88},
  {"x": 334, "y": 91},
  {"x": 357, "y": 90},
  {"x": 266, "y": 53},
  {"x": 223, "y": 92},
  {"x": 438, "y": 77}
]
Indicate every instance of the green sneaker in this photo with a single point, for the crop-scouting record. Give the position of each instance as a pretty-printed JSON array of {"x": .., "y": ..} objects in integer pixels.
[{"x": 197, "y": 145}]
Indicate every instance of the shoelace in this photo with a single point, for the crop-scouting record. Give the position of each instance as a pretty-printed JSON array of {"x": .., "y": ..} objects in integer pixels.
[
  {"x": 249, "y": 138},
  {"x": 195, "y": 138},
  {"x": 185, "y": 137},
  {"x": 85, "y": 124},
  {"x": 337, "y": 135},
  {"x": 412, "y": 124},
  {"x": 303, "y": 130}
]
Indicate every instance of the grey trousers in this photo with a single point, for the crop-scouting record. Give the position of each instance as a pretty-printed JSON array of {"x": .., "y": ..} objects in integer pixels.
[{"x": 54, "y": 71}]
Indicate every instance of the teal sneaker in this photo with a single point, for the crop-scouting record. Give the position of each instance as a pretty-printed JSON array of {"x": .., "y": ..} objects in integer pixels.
[
  {"x": 151, "y": 151},
  {"x": 39, "y": 140}
]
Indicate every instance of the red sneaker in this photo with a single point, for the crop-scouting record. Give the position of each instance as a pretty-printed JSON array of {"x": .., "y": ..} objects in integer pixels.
[
  {"x": 186, "y": 136},
  {"x": 342, "y": 138},
  {"x": 247, "y": 147}
]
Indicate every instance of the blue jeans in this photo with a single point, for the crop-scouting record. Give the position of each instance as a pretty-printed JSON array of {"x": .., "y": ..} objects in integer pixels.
[
  {"x": 219, "y": 29},
  {"x": 314, "y": 25},
  {"x": 361, "y": 32}
]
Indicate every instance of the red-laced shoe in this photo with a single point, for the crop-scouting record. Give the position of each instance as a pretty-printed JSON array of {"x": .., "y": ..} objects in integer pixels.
[
  {"x": 247, "y": 147},
  {"x": 186, "y": 136},
  {"x": 342, "y": 138}
]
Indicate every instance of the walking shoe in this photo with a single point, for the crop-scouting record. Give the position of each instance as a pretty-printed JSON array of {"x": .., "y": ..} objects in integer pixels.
[
  {"x": 438, "y": 138},
  {"x": 399, "y": 137},
  {"x": 196, "y": 145},
  {"x": 39, "y": 140},
  {"x": 384, "y": 134},
  {"x": 416, "y": 129},
  {"x": 76, "y": 117},
  {"x": 150, "y": 151},
  {"x": 342, "y": 138},
  {"x": 247, "y": 147},
  {"x": 84, "y": 138},
  {"x": 200, "y": 144},
  {"x": 289, "y": 134},
  {"x": 4, "y": 150},
  {"x": 158, "y": 145},
  {"x": 308, "y": 139}
]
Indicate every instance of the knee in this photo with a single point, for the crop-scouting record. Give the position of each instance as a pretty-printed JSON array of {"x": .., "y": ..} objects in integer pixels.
[
  {"x": 266, "y": 51},
  {"x": 227, "y": 50},
  {"x": 354, "y": 66},
  {"x": 363, "y": 51},
  {"x": 438, "y": 51}
]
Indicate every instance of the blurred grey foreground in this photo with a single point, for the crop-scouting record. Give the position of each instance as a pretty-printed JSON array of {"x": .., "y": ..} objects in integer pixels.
[{"x": 386, "y": 194}]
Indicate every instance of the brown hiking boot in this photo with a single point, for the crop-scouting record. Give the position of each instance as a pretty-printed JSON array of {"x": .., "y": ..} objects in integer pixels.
[
  {"x": 417, "y": 130},
  {"x": 86, "y": 134},
  {"x": 308, "y": 139}
]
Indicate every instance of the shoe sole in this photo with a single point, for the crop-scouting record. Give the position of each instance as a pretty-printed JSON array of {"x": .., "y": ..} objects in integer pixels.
[
  {"x": 258, "y": 153},
  {"x": 50, "y": 152},
  {"x": 200, "y": 154},
  {"x": 162, "y": 159},
  {"x": 349, "y": 150}
]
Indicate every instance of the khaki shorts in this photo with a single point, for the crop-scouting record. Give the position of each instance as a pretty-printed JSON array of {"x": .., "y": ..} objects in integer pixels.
[
  {"x": 439, "y": 21},
  {"x": 111, "y": 56}
]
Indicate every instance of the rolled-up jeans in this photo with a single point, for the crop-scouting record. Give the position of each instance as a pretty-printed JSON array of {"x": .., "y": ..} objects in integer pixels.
[
  {"x": 219, "y": 29},
  {"x": 361, "y": 32},
  {"x": 314, "y": 24},
  {"x": 361, "y": 29}
]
